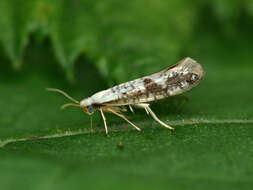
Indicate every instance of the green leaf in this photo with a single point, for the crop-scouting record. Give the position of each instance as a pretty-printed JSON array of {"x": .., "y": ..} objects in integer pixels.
[
  {"x": 73, "y": 30},
  {"x": 114, "y": 33},
  {"x": 120, "y": 35},
  {"x": 143, "y": 38},
  {"x": 15, "y": 20},
  {"x": 231, "y": 14},
  {"x": 46, "y": 148},
  {"x": 43, "y": 147},
  {"x": 142, "y": 35}
]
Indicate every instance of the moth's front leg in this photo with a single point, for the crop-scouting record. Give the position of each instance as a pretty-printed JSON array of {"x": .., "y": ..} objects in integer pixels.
[{"x": 104, "y": 119}]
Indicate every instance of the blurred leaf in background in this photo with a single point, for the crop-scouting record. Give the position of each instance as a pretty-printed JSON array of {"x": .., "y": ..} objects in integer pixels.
[
  {"x": 115, "y": 34},
  {"x": 86, "y": 46}
]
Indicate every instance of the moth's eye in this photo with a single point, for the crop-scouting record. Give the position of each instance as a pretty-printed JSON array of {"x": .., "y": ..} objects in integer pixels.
[{"x": 90, "y": 109}]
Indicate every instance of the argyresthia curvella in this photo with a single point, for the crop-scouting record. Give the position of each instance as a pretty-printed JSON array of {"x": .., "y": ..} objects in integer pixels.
[{"x": 174, "y": 80}]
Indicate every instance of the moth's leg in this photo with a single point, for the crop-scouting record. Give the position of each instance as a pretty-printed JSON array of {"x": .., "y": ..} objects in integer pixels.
[
  {"x": 104, "y": 119},
  {"x": 123, "y": 117},
  {"x": 91, "y": 125},
  {"x": 143, "y": 106},
  {"x": 147, "y": 108},
  {"x": 130, "y": 107}
]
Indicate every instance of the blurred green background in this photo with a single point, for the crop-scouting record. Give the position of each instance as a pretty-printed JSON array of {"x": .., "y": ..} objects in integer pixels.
[{"x": 84, "y": 46}]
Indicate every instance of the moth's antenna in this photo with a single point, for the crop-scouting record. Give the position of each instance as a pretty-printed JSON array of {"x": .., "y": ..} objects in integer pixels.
[
  {"x": 70, "y": 104},
  {"x": 65, "y": 94}
]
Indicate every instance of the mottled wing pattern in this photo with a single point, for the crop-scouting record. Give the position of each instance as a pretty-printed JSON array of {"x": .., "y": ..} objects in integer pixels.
[{"x": 172, "y": 81}]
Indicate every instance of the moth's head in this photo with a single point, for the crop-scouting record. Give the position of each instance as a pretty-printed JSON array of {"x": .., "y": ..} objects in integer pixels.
[
  {"x": 85, "y": 105},
  {"x": 88, "y": 109}
]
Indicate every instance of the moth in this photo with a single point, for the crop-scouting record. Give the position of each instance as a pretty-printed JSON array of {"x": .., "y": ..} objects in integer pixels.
[{"x": 172, "y": 81}]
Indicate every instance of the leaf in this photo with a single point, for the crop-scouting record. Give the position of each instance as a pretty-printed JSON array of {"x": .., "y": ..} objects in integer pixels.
[
  {"x": 73, "y": 31},
  {"x": 209, "y": 149},
  {"x": 121, "y": 35},
  {"x": 142, "y": 35},
  {"x": 231, "y": 14},
  {"x": 16, "y": 20},
  {"x": 144, "y": 39},
  {"x": 196, "y": 157},
  {"x": 43, "y": 147}
]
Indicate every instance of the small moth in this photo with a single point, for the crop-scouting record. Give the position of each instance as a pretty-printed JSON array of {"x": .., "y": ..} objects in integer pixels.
[{"x": 172, "y": 81}]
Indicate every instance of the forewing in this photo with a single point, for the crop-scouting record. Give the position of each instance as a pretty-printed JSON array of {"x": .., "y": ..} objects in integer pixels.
[{"x": 169, "y": 82}]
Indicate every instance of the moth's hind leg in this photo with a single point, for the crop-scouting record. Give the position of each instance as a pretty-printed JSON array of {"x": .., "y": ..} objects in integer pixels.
[{"x": 149, "y": 111}]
